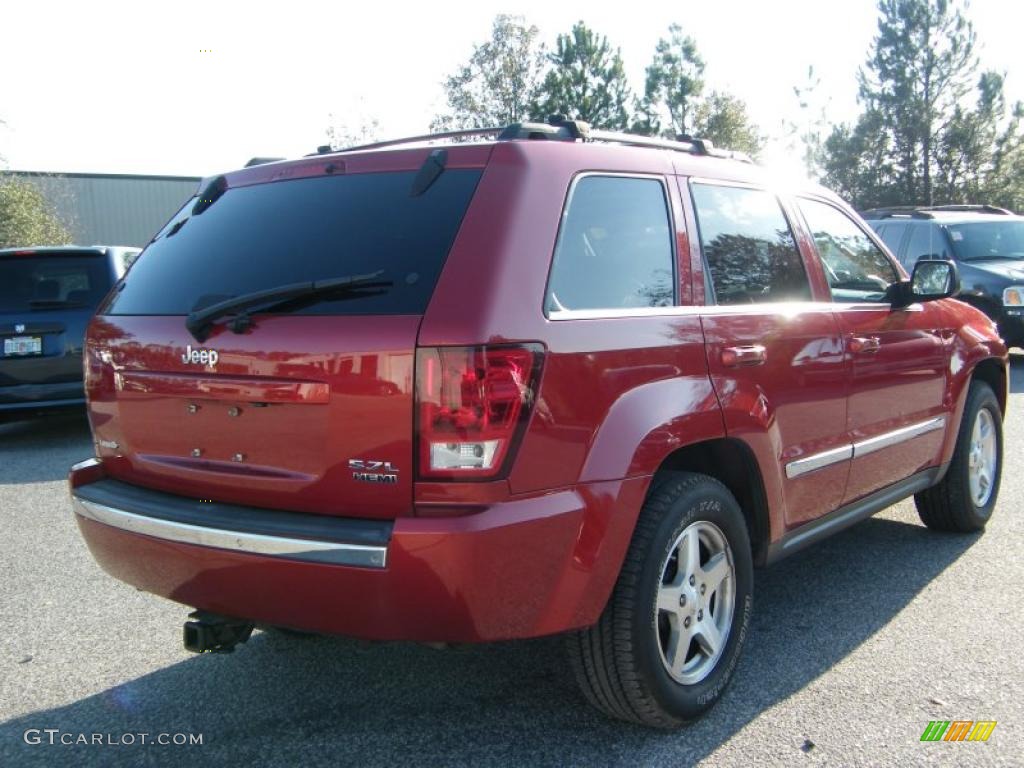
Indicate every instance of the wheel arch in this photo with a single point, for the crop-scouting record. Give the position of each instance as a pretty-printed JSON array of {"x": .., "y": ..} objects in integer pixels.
[
  {"x": 989, "y": 369},
  {"x": 992, "y": 371},
  {"x": 732, "y": 463}
]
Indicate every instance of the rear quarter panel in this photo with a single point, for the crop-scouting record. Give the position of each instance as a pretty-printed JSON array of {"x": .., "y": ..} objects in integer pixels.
[{"x": 617, "y": 395}]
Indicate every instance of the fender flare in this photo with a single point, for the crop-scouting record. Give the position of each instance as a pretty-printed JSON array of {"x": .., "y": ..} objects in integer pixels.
[{"x": 647, "y": 423}]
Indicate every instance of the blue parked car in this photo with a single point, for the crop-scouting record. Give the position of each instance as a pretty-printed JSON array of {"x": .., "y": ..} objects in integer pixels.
[{"x": 47, "y": 296}]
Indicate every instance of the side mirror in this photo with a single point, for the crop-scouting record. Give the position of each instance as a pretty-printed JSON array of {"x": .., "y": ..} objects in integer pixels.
[{"x": 931, "y": 280}]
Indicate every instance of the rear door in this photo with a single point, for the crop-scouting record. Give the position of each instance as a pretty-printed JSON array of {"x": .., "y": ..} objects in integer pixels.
[
  {"x": 310, "y": 407},
  {"x": 46, "y": 300},
  {"x": 899, "y": 357},
  {"x": 774, "y": 353}
]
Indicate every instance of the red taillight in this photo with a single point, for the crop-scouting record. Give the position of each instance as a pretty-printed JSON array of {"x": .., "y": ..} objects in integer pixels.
[{"x": 472, "y": 403}]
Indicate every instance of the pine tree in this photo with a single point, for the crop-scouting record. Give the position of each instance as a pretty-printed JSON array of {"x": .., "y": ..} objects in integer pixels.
[{"x": 586, "y": 81}]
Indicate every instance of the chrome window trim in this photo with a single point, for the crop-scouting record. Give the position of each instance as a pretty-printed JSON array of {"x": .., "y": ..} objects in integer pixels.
[
  {"x": 782, "y": 309},
  {"x": 673, "y": 240},
  {"x": 800, "y": 467},
  {"x": 887, "y": 439},
  {"x": 308, "y": 550},
  {"x": 821, "y": 460}
]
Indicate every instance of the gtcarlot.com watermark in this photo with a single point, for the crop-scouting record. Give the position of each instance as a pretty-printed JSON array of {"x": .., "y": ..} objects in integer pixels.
[{"x": 57, "y": 737}]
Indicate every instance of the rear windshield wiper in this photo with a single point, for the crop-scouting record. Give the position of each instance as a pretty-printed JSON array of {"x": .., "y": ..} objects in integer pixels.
[{"x": 199, "y": 321}]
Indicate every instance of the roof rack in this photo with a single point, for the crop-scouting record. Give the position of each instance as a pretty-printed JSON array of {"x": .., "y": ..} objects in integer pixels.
[
  {"x": 557, "y": 128},
  {"x": 977, "y": 208},
  {"x": 926, "y": 211}
]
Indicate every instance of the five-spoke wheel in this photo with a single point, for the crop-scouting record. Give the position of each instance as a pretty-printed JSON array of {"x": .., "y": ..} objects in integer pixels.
[{"x": 695, "y": 603}]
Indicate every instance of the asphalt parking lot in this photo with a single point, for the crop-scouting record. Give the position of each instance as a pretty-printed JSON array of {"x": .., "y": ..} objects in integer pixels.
[{"x": 856, "y": 645}]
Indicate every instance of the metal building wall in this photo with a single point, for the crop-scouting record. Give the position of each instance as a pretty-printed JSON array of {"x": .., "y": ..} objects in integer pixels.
[{"x": 113, "y": 209}]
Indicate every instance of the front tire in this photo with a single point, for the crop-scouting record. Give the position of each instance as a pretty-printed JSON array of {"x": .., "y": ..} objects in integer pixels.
[
  {"x": 669, "y": 639},
  {"x": 963, "y": 501}
]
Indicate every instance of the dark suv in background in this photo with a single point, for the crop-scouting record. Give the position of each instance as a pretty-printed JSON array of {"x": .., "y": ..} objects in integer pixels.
[
  {"x": 986, "y": 242},
  {"x": 47, "y": 296}
]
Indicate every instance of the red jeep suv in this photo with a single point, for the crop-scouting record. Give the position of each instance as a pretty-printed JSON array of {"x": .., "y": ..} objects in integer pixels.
[{"x": 557, "y": 381}]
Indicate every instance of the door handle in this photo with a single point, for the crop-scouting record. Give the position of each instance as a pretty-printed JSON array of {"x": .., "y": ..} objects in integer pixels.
[
  {"x": 741, "y": 357},
  {"x": 865, "y": 344}
]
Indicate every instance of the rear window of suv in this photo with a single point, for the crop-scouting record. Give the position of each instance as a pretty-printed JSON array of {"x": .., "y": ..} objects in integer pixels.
[
  {"x": 268, "y": 235},
  {"x": 52, "y": 282}
]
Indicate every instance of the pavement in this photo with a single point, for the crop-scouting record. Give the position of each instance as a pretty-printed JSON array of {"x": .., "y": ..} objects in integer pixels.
[{"x": 856, "y": 645}]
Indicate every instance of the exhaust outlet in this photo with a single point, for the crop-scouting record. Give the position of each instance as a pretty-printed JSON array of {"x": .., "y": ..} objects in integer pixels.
[{"x": 211, "y": 633}]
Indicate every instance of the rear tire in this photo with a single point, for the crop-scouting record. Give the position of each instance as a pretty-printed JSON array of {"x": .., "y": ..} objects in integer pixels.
[
  {"x": 666, "y": 645},
  {"x": 963, "y": 501}
]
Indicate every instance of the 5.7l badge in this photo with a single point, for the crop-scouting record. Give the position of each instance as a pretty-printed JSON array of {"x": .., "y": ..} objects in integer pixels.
[{"x": 365, "y": 471}]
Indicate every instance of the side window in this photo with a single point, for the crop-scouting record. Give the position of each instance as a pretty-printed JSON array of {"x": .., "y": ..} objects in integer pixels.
[
  {"x": 856, "y": 268},
  {"x": 925, "y": 240},
  {"x": 892, "y": 235},
  {"x": 748, "y": 246},
  {"x": 614, "y": 247}
]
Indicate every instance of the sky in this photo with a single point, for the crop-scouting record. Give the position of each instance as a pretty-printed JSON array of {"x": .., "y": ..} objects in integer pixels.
[{"x": 196, "y": 88}]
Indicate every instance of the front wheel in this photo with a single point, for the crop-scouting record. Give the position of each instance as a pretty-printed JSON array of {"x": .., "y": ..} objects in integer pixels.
[
  {"x": 964, "y": 500},
  {"x": 669, "y": 639}
]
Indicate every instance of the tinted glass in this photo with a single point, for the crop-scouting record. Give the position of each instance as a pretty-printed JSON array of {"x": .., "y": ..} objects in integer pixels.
[
  {"x": 892, "y": 233},
  {"x": 269, "y": 235},
  {"x": 926, "y": 240},
  {"x": 48, "y": 282},
  {"x": 748, "y": 246},
  {"x": 988, "y": 239},
  {"x": 614, "y": 247},
  {"x": 856, "y": 268}
]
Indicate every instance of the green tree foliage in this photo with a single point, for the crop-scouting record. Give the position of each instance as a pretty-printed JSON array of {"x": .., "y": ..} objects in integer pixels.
[
  {"x": 807, "y": 131},
  {"x": 26, "y": 217},
  {"x": 343, "y": 134},
  {"x": 1004, "y": 183},
  {"x": 858, "y": 162},
  {"x": 500, "y": 82},
  {"x": 674, "y": 102},
  {"x": 921, "y": 137},
  {"x": 920, "y": 69},
  {"x": 674, "y": 83},
  {"x": 723, "y": 119},
  {"x": 586, "y": 81}
]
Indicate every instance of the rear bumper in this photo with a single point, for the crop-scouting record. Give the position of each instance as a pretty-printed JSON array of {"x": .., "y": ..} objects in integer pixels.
[
  {"x": 41, "y": 396},
  {"x": 526, "y": 567}
]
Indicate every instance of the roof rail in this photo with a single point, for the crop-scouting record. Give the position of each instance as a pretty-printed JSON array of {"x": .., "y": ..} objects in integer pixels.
[
  {"x": 326, "y": 149},
  {"x": 926, "y": 211},
  {"x": 976, "y": 208},
  {"x": 557, "y": 128},
  {"x": 897, "y": 211}
]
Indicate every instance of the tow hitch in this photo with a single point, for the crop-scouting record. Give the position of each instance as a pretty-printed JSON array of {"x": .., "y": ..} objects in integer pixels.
[{"x": 210, "y": 633}]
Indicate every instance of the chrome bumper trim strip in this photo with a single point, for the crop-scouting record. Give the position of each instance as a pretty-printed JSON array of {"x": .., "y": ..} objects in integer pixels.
[{"x": 331, "y": 552}]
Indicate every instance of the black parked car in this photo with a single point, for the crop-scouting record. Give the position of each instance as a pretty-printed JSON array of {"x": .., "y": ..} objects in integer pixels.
[
  {"x": 47, "y": 296},
  {"x": 986, "y": 242}
]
